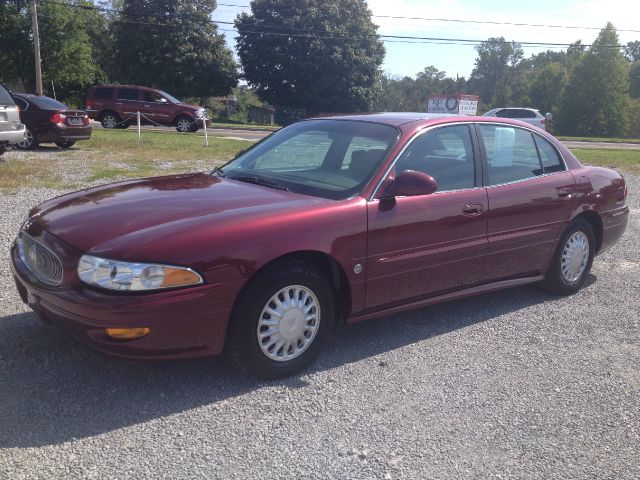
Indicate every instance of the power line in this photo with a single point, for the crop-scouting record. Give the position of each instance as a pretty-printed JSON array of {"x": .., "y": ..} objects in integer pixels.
[{"x": 289, "y": 32}]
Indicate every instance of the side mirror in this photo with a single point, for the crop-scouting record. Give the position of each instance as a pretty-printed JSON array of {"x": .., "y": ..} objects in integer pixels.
[
  {"x": 409, "y": 183},
  {"x": 162, "y": 100}
]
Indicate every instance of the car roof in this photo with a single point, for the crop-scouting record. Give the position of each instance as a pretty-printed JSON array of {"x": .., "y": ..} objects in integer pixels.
[
  {"x": 114, "y": 85},
  {"x": 391, "y": 118}
]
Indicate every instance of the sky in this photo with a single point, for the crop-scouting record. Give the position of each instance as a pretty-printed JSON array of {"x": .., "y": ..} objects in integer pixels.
[{"x": 407, "y": 59}]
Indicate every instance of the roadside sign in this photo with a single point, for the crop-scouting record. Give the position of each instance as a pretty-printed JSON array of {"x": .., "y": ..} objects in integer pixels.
[{"x": 456, "y": 103}]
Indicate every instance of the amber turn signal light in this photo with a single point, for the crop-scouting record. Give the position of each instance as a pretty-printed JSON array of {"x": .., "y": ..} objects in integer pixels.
[{"x": 127, "y": 333}]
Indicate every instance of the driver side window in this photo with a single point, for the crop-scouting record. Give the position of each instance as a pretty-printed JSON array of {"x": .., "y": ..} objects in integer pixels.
[{"x": 444, "y": 153}]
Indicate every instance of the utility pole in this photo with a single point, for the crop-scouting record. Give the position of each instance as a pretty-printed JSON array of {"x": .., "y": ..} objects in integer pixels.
[{"x": 36, "y": 46}]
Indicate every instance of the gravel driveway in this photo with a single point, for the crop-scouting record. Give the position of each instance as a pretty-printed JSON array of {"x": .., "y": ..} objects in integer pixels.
[{"x": 515, "y": 384}]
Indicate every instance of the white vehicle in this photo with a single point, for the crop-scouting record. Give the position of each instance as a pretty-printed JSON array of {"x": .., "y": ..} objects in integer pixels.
[
  {"x": 11, "y": 130},
  {"x": 529, "y": 115}
]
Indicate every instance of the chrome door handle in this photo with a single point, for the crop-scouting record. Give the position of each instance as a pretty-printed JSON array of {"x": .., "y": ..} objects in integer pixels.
[
  {"x": 472, "y": 209},
  {"x": 565, "y": 193}
]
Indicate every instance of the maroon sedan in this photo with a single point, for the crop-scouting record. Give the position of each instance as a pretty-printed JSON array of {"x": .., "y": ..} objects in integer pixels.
[
  {"x": 329, "y": 220},
  {"x": 50, "y": 121}
]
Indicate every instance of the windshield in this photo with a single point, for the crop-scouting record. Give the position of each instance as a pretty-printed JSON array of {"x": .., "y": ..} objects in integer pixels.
[
  {"x": 324, "y": 158},
  {"x": 47, "y": 103},
  {"x": 171, "y": 98}
]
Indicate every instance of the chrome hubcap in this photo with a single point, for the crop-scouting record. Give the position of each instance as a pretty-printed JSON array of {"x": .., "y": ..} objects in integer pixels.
[
  {"x": 288, "y": 323},
  {"x": 28, "y": 139},
  {"x": 183, "y": 125},
  {"x": 109, "y": 121},
  {"x": 575, "y": 257}
]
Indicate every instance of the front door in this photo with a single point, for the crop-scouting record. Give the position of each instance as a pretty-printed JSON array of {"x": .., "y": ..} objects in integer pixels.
[{"x": 428, "y": 244}]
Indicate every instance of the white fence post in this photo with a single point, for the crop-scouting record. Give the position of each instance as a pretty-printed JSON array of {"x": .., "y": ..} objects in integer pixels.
[
  {"x": 206, "y": 138},
  {"x": 138, "y": 115}
]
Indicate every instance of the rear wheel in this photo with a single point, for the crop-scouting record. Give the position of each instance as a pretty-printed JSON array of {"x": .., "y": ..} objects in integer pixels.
[
  {"x": 572, "y": 260},
  {"x": 185, "y": 124},
  {"x": 68, "y": 144},
  {"x": 110, "y": 120},
  {"x": 281, "y": 321},
  {"x": 30, "y": 140}
]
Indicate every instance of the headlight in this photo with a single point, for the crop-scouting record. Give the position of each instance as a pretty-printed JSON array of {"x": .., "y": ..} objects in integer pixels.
[{"x": 118, "y": 275}]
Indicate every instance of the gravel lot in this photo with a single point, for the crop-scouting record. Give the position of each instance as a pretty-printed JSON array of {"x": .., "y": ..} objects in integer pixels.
[{"x": 516, "y": 384}]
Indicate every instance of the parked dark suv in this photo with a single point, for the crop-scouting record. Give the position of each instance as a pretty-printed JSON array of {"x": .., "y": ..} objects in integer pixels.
[
  {"x": 48, "y": 120},
  {"x": 116, "y": 106}
]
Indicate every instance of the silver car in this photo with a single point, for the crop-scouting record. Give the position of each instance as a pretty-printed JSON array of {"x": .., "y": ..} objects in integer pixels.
[
  {"x": 529, "y": 115},
  {"x": 11, "y": 130}
]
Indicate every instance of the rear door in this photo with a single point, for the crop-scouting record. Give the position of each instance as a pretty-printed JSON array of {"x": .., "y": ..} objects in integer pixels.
[
  {"x": 127, "y": 103},
  {"x": 530, "y": 194},
  {"x": 424, "y": 245}
]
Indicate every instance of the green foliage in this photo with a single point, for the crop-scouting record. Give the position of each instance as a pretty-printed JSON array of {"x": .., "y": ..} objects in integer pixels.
[
  {"x": 172, "y": 45},
  {"x": 67, "y": 54},
  {"x": 411, "y": 95},
  {"x": 632, "y": 51},
  {"x": 634, "y": 79},
  {"x": 495, "y": 75},
  {"x": 319, "y": 55},
  {"x": 547, "y": 86},
  {"x": 596, "y": 100}
]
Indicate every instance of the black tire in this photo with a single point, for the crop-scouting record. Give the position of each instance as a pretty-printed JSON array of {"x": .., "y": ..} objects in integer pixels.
[
  {"x": 68, "y": 144},
  {"x": 30, "y": 141},
  {"x": 192, "y": 127},
  {"x": 555, "y": 281},
  {"x": 110, "y": 120},
  {"x": 242, "y": 346}
]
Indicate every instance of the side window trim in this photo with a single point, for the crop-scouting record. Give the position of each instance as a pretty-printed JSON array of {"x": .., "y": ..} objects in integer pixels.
[
  {"x": 484, "y": 160},
  {"x": 470, "y": 127}
]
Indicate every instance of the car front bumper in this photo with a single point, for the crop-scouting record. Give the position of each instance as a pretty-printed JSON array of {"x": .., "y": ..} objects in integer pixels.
[{"x": 189, "y": 322}]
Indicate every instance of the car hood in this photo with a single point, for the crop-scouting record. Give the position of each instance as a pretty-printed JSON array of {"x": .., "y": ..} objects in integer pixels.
[{"x": 119, "y": 217}]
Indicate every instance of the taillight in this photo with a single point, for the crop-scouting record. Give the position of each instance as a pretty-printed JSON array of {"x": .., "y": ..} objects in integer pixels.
[
  {"x": 58, "y": 118},
  {"x": 85, "y": 119},
  {"x": 542, "y": 121},
  {"x": 90, "y": 104}
]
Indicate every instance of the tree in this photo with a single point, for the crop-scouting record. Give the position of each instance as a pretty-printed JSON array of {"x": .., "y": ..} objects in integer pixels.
[
  {"x": 173, "y": 45},
  {"x": 494, "y": 71},
  {"x": 632, "y": 51},
  {"x": 634, "y": 79},
  {"x": 319, "y": 55},
  {"x": 68, "y": 57},
  {"x": 547, "y": 87},
  {"x": 596, "y": 100}
]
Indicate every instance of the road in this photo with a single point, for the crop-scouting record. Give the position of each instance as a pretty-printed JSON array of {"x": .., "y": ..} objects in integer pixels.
[{"x": 516, "y": 384}]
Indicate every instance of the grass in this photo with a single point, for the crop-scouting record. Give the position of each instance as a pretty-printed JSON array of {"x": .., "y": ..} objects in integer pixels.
[
  {"x": 600, "y": 139},
  {"x": 625, "y": 160},
  {"x": 112, "y": 155}
]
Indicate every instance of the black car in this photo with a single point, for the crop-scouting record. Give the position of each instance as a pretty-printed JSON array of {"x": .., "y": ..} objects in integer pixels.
[{"x": 48, "y": 120}]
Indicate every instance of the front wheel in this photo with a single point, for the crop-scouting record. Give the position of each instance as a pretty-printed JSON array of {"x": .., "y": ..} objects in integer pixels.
[
  {"x": 185, "y": 124},
  {"x": 281, "y": 321},
  {"x": 572, "y": 259},
  {"x": 68, "y": 144}
]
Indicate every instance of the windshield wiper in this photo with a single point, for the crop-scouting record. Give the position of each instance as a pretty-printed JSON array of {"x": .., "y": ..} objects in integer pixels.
[
  {"x": 218, "y": 171},
  {"x": 260, "y": 181}
]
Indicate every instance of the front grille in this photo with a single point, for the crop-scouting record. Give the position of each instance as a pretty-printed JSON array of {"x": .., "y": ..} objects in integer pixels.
[{"x": 43, "y": 263}]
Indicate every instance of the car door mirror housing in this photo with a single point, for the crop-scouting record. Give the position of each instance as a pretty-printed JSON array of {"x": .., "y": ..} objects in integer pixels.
[{"x": 410, "y": 183}]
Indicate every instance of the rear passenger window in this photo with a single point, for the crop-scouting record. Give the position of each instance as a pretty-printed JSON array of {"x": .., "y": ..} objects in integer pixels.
[
  {"x": 511, "y": 154},
  {"x": 525, "y": 114},
  {"x": 22, "y": 105},
  {"x": 103, "y": 93},
  {"x": 446, "y": 154},
  {"x": 551, "y": 161},
  {"x": 127, "y": 94}
]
